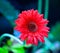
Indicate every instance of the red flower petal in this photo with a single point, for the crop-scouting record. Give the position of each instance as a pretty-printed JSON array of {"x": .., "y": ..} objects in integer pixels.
[
  {"x": 23, "y": 36},
  {"x": 35, "y": 41},
  {"x": 29, "y": 40},
  {"x": 41, "y": 39}
]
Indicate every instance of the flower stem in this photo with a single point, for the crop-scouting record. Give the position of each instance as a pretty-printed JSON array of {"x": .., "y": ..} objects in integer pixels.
[
  {"x": 11, "y": 36},
  {"x": 46, "y": 9},
  {"x": 40, "y": 6}
]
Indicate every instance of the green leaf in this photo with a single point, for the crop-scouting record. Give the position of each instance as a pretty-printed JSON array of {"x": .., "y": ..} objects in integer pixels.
[
  {"x": 18, "y": 49},
  {"x": 3, "y": 49},
  {"x": 9, "y": 42}
]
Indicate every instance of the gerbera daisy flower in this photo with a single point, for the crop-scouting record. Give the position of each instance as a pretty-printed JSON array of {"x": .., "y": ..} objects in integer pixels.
[{"x": 32, "y": 26}]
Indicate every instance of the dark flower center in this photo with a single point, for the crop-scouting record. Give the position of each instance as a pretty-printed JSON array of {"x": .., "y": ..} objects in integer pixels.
[{"x": 32, "y": 27}]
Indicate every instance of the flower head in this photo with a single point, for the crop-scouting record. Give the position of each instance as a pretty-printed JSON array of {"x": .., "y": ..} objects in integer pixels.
[{"x": 32, "y": 26}]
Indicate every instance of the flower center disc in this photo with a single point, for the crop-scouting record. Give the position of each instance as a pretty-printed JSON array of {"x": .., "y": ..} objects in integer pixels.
[{"x": 32, "y": 27}]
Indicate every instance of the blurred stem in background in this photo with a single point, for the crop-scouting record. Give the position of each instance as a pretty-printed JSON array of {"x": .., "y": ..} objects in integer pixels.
[
  {"x": 8, "y": 11},
  {"x": 40, "y": 6},
  {"x": 46, "y": 9}
]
